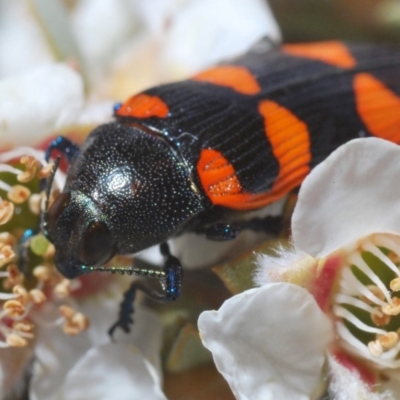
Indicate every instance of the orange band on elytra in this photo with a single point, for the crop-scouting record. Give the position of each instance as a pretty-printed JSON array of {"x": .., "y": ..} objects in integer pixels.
[
  {"x": 221, "y": 184},
  {"x": 331, "y": 52},
  {"x": 235, "y": 77},
  {"x": 378, "y": 107},
  {"x": 290, "y": 141},
  {"x": 143, "y": 106}
]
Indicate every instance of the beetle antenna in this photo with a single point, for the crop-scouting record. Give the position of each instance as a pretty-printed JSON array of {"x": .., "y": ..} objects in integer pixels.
[
  {"x": 49, "y": 183},
  {"x": 152, "y": 273}
]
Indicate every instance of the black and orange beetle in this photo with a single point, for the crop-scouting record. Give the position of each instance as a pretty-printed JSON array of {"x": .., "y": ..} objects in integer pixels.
[{"x": 197, "y": 155}]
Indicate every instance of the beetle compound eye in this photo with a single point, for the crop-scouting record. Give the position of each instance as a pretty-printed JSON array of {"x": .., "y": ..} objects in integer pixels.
[
  {"x": 97, "y": 244},
  {"x": 57, "y": 208}
]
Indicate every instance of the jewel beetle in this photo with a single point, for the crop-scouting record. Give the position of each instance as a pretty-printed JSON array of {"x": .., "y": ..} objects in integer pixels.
[{"x": 197, "y": 155}]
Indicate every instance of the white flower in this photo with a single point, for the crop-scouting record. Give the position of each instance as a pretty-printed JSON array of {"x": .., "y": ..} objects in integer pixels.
[
  {"x": 110, "y": 49},
  {"x": 91, "y": 364},
  {"x": 38, "y": 102},
  {"x": 269, "y": 343},
  {"x": 124, "y": 46},
  {"x": 347, "y": 218}
]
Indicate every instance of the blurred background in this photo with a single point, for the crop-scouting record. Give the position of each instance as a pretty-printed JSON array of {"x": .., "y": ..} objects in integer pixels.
[{"x": 365, "y": 20}]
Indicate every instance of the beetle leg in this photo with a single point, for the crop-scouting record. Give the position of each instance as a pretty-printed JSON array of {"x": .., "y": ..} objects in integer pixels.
[
  {"x": 269, "y": 225},
  {"x": 66, "y": 147},
  {"x": 170, "y": 278},
  {"x": 125, "y": 319},
  {"x": 222, "y": 232}
]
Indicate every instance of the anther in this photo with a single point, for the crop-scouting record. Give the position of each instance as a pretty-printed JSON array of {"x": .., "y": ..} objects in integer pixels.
[
  {"x": 45, "y": 171},
  {"x": 75, "y": 322},
  {"x": 63, "y": 289},
  {"x": 18, "y": 194},
  {"x": 7, "y": 238},
  {"x": 66, "y": 311},
  {"x": 14, "y": 308},
  {"x": 392, "y": 309},
  {"x": 14, "y": 275},
  {"x": 395, "y": 284},
  {"x": 75, "y": 325},
  {"x": 375, "y": 348},
  {"x": 42, "y": 273},
  {"x": 6, "y": 211},
  {"x": 81, "y": 321},
  {"x": 37, "y": 296},
  {"x": 23, "y": 326},
  {"x": 389, "y": 340},
  {"x": 14, "y": 340},
  {"x": 379, "y": 318},
  {"x": 6, "y": 254},
  {"x": 22, "y": 294},
  {"x": 31, "y": 165},
  {"x": 393, "y": 257}
]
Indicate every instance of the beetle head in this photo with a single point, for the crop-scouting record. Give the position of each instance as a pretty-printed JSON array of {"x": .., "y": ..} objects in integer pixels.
[
  {"x": 126, "y": 191},
  {"x": 80, "y": 233}
]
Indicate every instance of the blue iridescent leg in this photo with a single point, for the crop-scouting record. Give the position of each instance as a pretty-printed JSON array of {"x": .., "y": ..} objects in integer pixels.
[
  {"x": 170, "y": 278},
  {"x": 66, "y": 147},
  {"x": 271, "y": 225},
  {"x": 223, "y": 232}
]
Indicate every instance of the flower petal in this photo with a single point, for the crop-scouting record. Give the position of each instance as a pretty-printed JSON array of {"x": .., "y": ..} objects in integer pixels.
[
  {"x": 346, "y": 385},
  {"x": 233, "y": 26},
  {"x": 111, "y": 371},
  {"x": 56, "y": 354},
  {"x": 34, "y": 104},
  {"x": 350, "y": 195},
  {"x": 268, "y": 342},
  {"x": 22, "y": 43},
  {"x": 111, "y": 20}
]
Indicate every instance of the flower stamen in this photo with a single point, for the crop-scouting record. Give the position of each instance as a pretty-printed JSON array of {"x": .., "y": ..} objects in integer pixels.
[
  {"x": 379, "y": 318},
  {"x": 364, "y": 304},
  {"x": 351, "y": 285},
  {"x": 6, "y": 211},
  {"x": 6, "y": 254},
  {"x": 395, "y": 284},
  {"x": 347, "y": 315},
  {"x": 375, "y": 348},
  {"x": 356, "y": 259},
  {"x": 392, "y": 309},
  {"x": 37, "y": 296},
  {"x": 389, "y": 340},
  {"x": 74, "y": 322},
  {"x": 31, "y": 167},
  {"x": 15, "y": 340},
  {"x": 18, "y": 194},
  {"x": 346, "y": 299},
  {"x": 14, "y": 308},
  {"x": 15, "y": 329},
  {"x": 377, "y": 252}
]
